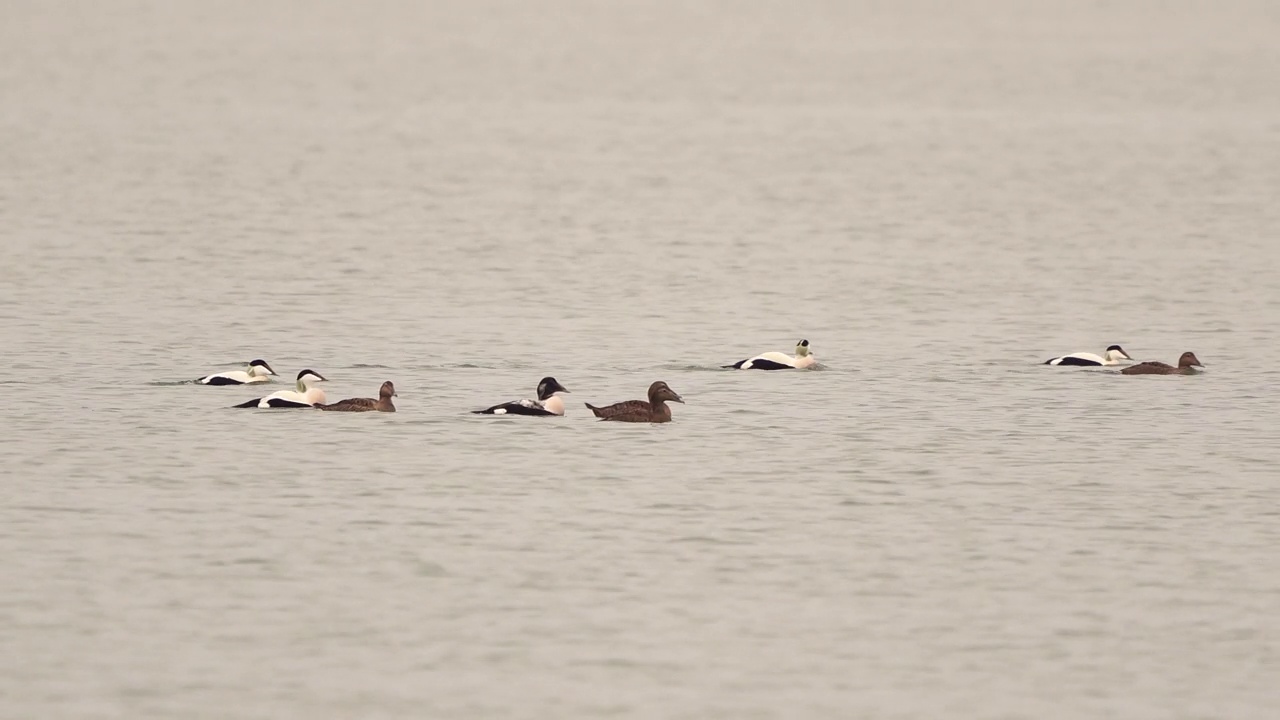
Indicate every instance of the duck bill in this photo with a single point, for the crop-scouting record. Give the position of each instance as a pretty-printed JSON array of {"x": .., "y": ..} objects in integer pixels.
[{"x": 678, "y": 399}]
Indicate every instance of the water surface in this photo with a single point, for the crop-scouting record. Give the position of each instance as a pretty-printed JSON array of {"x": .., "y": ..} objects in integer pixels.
[{"x": 464, "y": 197}]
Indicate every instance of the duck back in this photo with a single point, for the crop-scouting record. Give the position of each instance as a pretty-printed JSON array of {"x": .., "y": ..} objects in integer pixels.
[
  {"x": 1151, "y": 367},
  {"x": 628, "y": 407},
  {"x": 354, "y": 405}
]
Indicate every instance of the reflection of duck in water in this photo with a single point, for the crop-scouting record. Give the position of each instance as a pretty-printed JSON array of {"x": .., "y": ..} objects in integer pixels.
[
  {"x": 546, "y": 404},
  {"x": 303, "y": 396},
  {"x": 653, "y": 410},
  {"x": 258, "y": 371},
  {"x": 778, "y": 361},
  {"x": 382, "y": 404},
  {"x": 1114, "y": 355},
  {"x": 1187, "y": 365}
]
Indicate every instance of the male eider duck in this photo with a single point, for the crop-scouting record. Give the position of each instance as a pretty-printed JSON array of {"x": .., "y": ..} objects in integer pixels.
[
  {"x": 304, "y": 396},
  {"x": 258, "y": 371},
  {"x": 382, "y": 404},
  {"x": 653, "y": 410},
  {"x": 778, "y": 361},
  {"x": 546, "y": 404},
  {"x": 1115, "y": 355},
  {"x": 1187, "y": 365}
]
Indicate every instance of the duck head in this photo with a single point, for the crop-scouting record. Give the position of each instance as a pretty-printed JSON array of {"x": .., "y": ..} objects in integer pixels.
[
  {"x": 802, "y": 348},
  {"x": 309, "y": 376},
  {"x": 388, "y": 390},
  {"x": 260, "y": 368},
  {"x": 1189, "y": 360},
  {"x": 549, "y": 386},
  {"x": 660, "y": 392},
  {"x": 1115, "y": 353}
]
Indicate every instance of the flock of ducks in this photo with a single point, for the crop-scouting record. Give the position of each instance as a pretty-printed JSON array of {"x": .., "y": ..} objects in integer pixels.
[{"x": 654, "y": 409}]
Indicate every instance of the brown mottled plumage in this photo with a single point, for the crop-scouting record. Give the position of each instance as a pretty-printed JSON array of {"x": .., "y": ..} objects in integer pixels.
[
  {"x": 1187, "y": 365},
  {"x": 382, "y": 404},
  {"x": 653, "y": 410}
]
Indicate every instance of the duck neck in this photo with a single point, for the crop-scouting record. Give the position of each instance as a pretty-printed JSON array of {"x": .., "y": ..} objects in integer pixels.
[{"x": 660, "y": 409}]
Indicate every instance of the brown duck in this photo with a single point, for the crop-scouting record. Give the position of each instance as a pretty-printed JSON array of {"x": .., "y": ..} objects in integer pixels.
[
  {"x": 382, "y": 404},
  {"x": 653, "y": 410},
  {"x": 1187, "y": 365}
]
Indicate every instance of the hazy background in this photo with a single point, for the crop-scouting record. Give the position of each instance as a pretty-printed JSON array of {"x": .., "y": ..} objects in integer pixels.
[{"x": 466, "y": 196}]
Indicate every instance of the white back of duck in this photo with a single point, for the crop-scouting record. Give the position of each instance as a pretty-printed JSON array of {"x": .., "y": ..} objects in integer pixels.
[
  {"x": 257, "y": 371},
  {"x": 778, "y": 361},
  {"x": 1113, "y": 355}
]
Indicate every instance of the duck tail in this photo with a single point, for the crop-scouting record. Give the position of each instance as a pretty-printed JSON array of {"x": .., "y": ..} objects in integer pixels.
[
  {"x": 249, "y": 404},
  {"x": 594, "y": 409},
  {"x": 735, "y": 366}
]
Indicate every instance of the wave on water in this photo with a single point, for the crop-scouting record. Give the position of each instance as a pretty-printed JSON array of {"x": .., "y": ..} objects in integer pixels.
[{"x": 451, "y": 366}]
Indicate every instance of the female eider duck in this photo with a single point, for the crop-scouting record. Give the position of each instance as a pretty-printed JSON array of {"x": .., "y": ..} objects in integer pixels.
[
  {"x": 653, "y": 410},
  {"x": 1115, "y": 355},
  {"x": 382, "y": 404},
  {"x": 546, "y": 404},
  {"x": 1187, "y": 365},
  {"x": 778, "y": 361},
  {"x": 258, "y": 371},
  {"x": 304, "y": 396}
]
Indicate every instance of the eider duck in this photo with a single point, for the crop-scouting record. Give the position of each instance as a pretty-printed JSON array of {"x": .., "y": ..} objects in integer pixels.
[
  {"x": 258, "y": 371},
  {"x": 382, "y": 404},
  {"x": 1187, "y": 365},
  {"x": 778, "y": 361},
  {"x": 304, "y": 396},
  {"x": 546, "y": 404},
  {"x": 653, "y": 410},
  {"x": 1115, "y": 355}
]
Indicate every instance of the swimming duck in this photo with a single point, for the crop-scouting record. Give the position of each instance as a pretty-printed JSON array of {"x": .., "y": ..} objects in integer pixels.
[
  {"x": 653, "y": 410},
  {"x": 546, "y": 404},
  {"x": 1187, "y": 365},
  {"x": 382, "y": 404},
  {"x": 258, "y": 371},
  {"x": 778, "y": 361},
  {"x": 1115, "y": 355},
  {"x": 304, "y": 396}
]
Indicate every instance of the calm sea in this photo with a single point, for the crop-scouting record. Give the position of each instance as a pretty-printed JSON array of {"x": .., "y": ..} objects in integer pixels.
[{"x": 464, "y": 196}]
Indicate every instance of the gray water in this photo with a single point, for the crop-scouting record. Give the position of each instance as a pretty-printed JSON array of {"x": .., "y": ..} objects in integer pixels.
[{"x": 463, "y": 197}]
